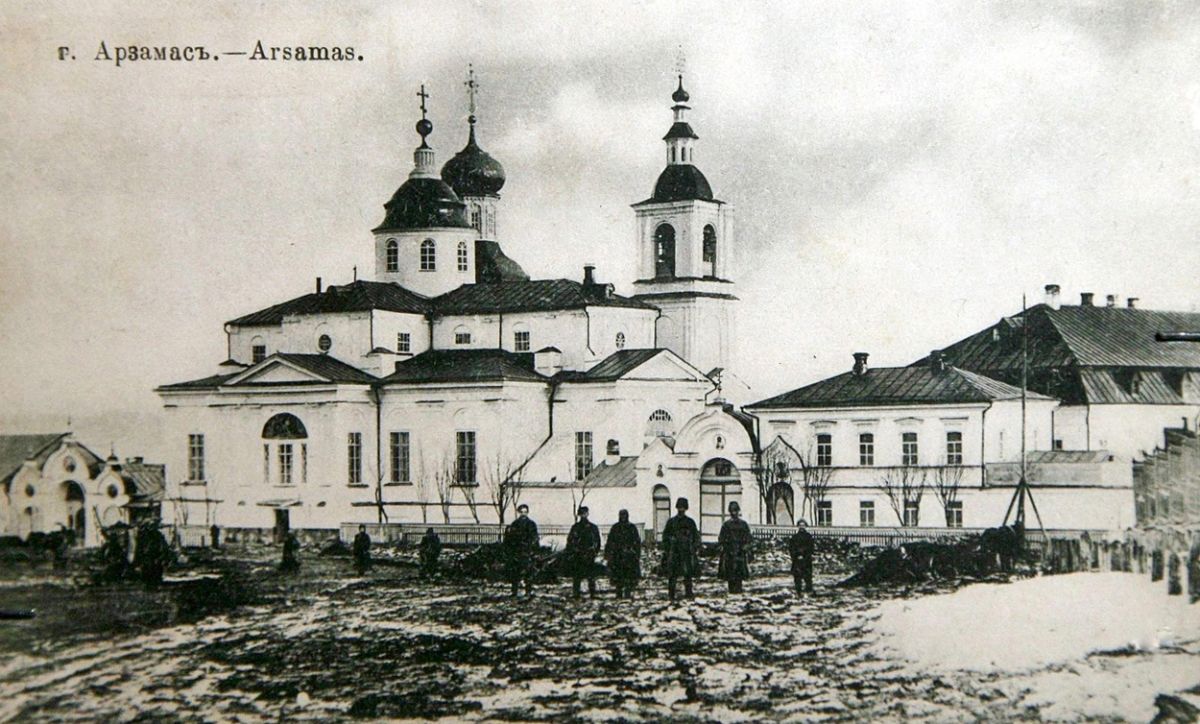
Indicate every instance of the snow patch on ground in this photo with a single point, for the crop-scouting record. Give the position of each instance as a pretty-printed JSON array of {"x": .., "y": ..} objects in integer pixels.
[{"x": 1036, "y": 622}]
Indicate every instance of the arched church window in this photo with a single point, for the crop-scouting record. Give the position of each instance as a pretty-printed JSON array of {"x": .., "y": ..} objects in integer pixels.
[
  {"x": 428, "y": 255},
  {"x": 620, "y": 340},
  {"x": 393, "y": 255},
  {"x": 284, "y": 426},
  {"x": 659, "y": 424},
  {"x": 710, "y": 250},
  {"x": 463, "y": 259},
  {"x": 664, "y": 251}
]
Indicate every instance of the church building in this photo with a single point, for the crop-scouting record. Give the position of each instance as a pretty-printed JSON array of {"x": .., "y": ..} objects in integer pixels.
[{"x": 449, "y": 383}]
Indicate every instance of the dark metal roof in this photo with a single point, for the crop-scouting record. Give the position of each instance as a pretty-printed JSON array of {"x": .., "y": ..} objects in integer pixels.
[
  {"x": 204, "y": 383},
  {"x": 323, "y": 365},
  {"x": 621, "y": 475},
  {"x": 541, "y": 295},
  {"x": 681, "y": 182},
  {"x": 896, "y": 386},
  {"x": 354, "y": 297},
  {"x": 618, "y": 364},
  {"x": 492, "y": 265},
  {"x": 680, "y": 129},
  {"x": 465, "y": 365},
  {"x": 144, "y": 482},
  {"x": 423, "y": 203},
  {"x": 16, "y": 449},
  {"x": 473, "y": 171}
]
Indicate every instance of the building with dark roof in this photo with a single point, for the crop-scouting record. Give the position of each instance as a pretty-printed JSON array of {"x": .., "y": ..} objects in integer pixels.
[{"x": 1118, "y": 383}]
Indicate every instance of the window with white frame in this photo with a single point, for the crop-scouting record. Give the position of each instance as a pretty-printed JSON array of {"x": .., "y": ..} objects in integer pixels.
[
  {"x": 824, "y": 450},
  {"x": 464, "y": 261},
  {"x": 462, "y": 335},
  {"x": 521, "y": 340},
  {"x": 912, "y": 513},
  {"x": 908, "y": 449},
  {"x": 285, "y": 463},
  {"x": 195, "y": 457},
  {"x": 393, "y": 256},
  {"x": 399, "y": 453},
  {"x": 866, "y": 513},
  {"x": 824, "y": 513},
  {"x": 403, "y": 343},
  {"x": 954, "y": 448},
  {"x": 866, "y": 449},
  {"x": 583, "y": 454},
  {"x": 354, "y": 458},
  {"x": 954, "y": 510},
  {"x": 464, "y": 469},
  {"x": 659, "y": 424},
  {"x": 258, "y": 353},
  {"x": 428, "y": 255}
]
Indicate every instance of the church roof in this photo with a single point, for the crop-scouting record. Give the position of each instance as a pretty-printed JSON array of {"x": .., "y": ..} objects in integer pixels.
[
  {"x": 321, "y": 365},
  {"x": 680, "y": 182},
  {"x": 623, "y": 474},
  {"x": 465, "y": 365},
  {"x": 617, "y": 365},
  {"x": 473, "y": 171},
  {"x": 144, "y": 482},
  {"x": 884, "y": 386},
  {"x": 16, "y": 449},
  {"x": 493, "y": 265},
  {"x": 424, "y": 203},
  {"x": 540, "y": 295},
  {"x": 354, "y": 297}
]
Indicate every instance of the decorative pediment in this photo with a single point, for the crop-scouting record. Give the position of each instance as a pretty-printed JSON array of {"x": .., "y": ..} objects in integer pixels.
[{"x": 276, "y": 371}]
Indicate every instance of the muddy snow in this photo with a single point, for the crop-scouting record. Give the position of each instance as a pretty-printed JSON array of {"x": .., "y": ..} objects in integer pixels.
[{"x": 330, "y": 645}]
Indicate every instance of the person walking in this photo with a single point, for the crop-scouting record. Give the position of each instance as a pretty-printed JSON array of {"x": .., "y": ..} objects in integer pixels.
[
  {"x": 520, "y": 545},
  {"x": 362, "y": 550},
  {"x": 681, "y": 550},
  {"x": 583, "y": 543},
  {"x": 800, "y": 546},
  {"x": 736, "y": 544},
  {"x": 429, "y": 549},
  {"x": 623, "y": 553}
]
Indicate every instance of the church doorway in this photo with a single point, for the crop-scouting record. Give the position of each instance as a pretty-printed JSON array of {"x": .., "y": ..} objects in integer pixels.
[
  {"x": 662, "y": 509},
  {"x": 720, "y": 485},
  {"x": 76, "y": 512},
  {"x": 782, "y": 504}
]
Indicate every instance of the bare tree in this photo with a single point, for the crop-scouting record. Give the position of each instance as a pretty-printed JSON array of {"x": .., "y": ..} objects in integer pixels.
[
  {"x": 581, "y": 488},
  {"x": 772, "y": 469},
  {"x": 443, "y": 478},
  {"x": 814, "y": 481},
  {"x": 903, "y": 485},
  {"x": 946, "y": 481},
  {"x": 502, "y": 481}
]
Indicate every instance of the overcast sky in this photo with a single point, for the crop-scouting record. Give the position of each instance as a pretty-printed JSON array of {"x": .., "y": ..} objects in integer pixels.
[{"x": 901, "y": 173}]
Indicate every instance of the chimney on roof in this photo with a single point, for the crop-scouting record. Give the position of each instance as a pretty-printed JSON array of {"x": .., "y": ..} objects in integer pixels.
[
  {"x": 937, "y": 362},
  {"x": 589, "y": 274},
  {"x": 318, "y": 285},
  {"x": 1053, "y": 296},
  {"x": 1110, "y": 300},
  {"x": 1085, "y": 299},
  {"x": 1132, "y": 302},
  {"x": 860, "y": 364},
  {"x": 612, "y": 453}
]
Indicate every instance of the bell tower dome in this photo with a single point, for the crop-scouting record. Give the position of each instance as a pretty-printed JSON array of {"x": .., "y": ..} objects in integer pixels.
[
  {"x": 475, "y": 175},
  {"x": 684, "y": 246}
]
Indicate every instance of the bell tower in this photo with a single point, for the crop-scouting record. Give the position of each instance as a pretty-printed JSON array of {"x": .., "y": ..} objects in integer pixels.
[{"x": 684, "y": 246}]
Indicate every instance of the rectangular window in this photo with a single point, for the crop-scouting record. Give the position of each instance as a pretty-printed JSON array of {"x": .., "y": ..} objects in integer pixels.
[
  {"x": 824, "y": 513},
  {"x": 285, "y": 463},
  {"x": 258, "y": 353},
  {"x": 954, "y": 514},
  {"x": 1058, "y": 444},
  {"x": 824, "y": 450},
  {"x": 912, "y": 511},
  {"x": 464, "y": 471},
  {"x": 399, "y": 457},
  {"x": 908, "y": 449},
  {"x": 403, "y": 343},
  {"x": 521, "y": 341},
  {"x": 583, "y": 454},
  {"x": 462, "y": 337},
  {"x": 354, "y": 458},
  {"x": 266, "y": 463},
  {"x": 866, "y": 513},
  {"x": 954, "y": 455},
  {"x": 195, "y": 457},
  {"x": 463, "y": 259},
  {"x": 866, "y": 449}
]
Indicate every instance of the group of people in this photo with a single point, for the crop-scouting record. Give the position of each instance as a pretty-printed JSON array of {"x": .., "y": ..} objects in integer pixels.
[
  {"x": 144, "y": 555},
  {"x": 681, "y": 546}
]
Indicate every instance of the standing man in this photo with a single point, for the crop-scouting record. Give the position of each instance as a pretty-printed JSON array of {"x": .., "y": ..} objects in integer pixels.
[
  {"x": 736, "y": 545},
  {"x": 520, "y": 545},
  {"x": 583, "y": 543},
  {"x": 429, "y": 550},
  {"x": 681, "y": 549},
  {"x": 800, "y": 546},
  {"x": 151, "y": 554},
  {"x": 623, "y": 552},
  {"x": 362, "y": 550}
]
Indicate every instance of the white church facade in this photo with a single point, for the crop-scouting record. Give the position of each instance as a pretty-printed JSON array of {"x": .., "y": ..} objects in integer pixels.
[{"x": 449, "y": 382}]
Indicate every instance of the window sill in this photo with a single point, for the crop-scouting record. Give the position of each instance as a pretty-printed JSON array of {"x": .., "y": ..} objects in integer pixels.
[
  {"x": 465, "y": 485},
  {"x": 403, "y": 484},
  {"x": 194, "y": 482},
  {"x": 357, "y": 485}
]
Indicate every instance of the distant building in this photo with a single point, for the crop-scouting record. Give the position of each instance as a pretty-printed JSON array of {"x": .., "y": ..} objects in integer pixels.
[
  {"x": 1166, "y": 483},
  {"x": 1118, "y": 384},
  {"x": 928, "y": 445},
  {"x": 51, "y": 482}
]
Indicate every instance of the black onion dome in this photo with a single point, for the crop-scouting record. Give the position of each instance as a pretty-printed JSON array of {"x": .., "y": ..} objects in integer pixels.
[
  {"x": 682, "y": 182},
  {"x": 473, "y": 171},
  {"x": 422, "y": 203},
  {"x": 680, "y": 95}
]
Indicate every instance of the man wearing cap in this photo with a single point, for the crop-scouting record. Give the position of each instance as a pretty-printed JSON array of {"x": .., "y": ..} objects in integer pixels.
[
  {"x": 623, "y": 551},
  {"x": 681, "y": 549},
  {"x": 520, "y": 545},
  {"x": 583, "y": 543},
  {"x": 735, "y": 543},
  {"x": 800, "y": 546}
]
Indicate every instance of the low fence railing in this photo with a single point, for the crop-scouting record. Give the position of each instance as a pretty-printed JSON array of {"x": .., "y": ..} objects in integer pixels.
[{"x": 451, "y": 534}]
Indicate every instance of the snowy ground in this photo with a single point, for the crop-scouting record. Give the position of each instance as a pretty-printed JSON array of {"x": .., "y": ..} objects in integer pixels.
[{"x": 329, "y": 645}]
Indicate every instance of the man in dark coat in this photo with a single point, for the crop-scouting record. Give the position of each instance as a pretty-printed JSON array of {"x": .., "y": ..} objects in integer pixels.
[
  {"x": 291, "y": 554},
  {"x": 681, "y": 550},
  {"x": 623, "y": 551},
  {"x": 583, "y": 543},
  {"x": 115, "y": 552},
  {"x": 736, "y": 544},
  {"x": 362, "y": 550},
  {"x": 800, "y": 546},
  {"x": 429, "y": 549},
  {"x": 520, "y": 545},
  {"x": 151, "y": 554}
]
